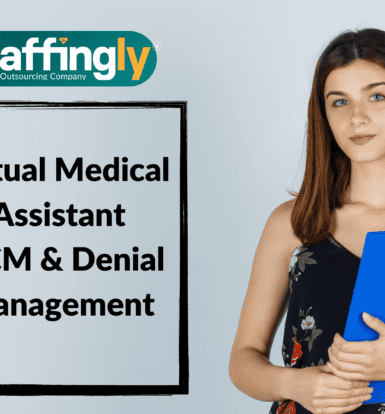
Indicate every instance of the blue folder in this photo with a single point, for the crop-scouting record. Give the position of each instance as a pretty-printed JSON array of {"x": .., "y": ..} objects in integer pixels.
[{"x": 369, "y": 296}]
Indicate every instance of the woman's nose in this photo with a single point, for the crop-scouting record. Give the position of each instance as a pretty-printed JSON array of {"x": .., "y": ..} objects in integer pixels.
[{"x": 359, "y": 115}]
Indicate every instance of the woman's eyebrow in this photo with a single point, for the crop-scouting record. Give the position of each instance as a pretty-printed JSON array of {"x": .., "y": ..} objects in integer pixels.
[{"x": 363, "y": 89}]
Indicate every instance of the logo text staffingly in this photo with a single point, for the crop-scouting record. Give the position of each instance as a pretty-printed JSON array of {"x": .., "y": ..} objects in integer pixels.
[{"x": 75, "y": 59}]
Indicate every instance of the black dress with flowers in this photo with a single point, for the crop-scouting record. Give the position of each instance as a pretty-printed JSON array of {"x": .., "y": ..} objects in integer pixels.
[{"x": 321, "y": 280}]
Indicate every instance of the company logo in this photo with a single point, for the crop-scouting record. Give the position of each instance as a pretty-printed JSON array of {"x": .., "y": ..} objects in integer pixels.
[{"x": 75, "y": 58}]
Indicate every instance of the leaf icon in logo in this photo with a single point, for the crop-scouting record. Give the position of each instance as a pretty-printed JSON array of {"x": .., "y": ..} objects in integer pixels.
[{"x": 63, "y": 39}]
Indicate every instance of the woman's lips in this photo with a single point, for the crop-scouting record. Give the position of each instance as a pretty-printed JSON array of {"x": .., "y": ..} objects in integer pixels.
[
  {"x": 362, "y": 136},
  {"x": 362, "y": 139}
]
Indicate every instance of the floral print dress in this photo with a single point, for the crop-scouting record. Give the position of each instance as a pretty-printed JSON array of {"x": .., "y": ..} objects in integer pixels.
[{"x": 321, "y": 281}]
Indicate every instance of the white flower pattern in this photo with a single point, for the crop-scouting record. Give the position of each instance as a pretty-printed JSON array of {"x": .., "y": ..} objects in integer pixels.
[
  {"x": 294, "y": 258},
  {"x": 307, "y": 323},
  {"x": 299, "y": 258}
]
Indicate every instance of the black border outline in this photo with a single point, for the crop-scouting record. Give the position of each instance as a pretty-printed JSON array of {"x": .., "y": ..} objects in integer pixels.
[{"x": 106, "y": 390}]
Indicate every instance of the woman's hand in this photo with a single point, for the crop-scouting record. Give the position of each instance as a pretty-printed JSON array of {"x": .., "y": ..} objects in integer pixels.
[
  {"x": 359, "y": 360},
  {"x": 321, "y": 392}
]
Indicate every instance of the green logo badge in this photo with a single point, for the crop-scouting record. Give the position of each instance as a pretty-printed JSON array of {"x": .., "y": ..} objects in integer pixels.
[{"x": 75, "y": 58}]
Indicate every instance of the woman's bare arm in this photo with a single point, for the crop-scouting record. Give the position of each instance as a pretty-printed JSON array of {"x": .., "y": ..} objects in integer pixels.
[{"x": 265, "y": 304}]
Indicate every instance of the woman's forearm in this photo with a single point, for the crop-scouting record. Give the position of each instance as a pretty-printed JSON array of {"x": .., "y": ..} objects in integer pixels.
[{"x": 252, "y": 373}]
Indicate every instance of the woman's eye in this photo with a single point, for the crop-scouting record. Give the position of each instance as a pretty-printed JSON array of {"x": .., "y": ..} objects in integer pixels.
[
  {"x": 339, "y": 100},
  {"x": 376, "y": 100},
  {"x": 378, "y": 94}
]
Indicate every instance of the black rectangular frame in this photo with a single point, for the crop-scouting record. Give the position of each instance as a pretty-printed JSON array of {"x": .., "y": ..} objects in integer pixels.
[{"x": 105, "y": 390}]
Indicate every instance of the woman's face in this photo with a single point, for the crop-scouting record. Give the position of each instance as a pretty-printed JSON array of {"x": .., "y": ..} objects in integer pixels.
[{"x": 355, "y": 106}]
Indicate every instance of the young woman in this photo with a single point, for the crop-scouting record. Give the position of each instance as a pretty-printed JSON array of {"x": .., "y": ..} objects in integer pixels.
[{"x": 309, "y": 253}]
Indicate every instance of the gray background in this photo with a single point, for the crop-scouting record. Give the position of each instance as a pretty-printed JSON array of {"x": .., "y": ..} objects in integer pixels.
[{"x": 245, "y": 68}]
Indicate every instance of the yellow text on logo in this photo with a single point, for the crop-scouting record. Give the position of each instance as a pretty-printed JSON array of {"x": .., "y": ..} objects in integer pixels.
[{"x": 137, "y": 66}]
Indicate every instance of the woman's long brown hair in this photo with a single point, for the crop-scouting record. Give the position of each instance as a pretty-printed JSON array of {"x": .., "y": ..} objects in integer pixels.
[{"x": 327, "y": 169}]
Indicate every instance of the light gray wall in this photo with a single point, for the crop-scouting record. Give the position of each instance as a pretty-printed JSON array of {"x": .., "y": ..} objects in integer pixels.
[{"x": 245, "y": 68}]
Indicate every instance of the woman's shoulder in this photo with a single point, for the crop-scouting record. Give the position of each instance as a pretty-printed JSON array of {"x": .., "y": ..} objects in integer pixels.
[{"x": 283, "y": 214}]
